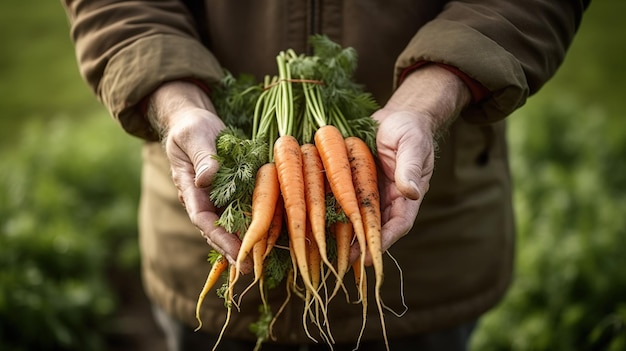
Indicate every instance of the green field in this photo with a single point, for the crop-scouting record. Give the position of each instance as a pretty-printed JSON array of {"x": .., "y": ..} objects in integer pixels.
[{"x": 69, "y": 177}]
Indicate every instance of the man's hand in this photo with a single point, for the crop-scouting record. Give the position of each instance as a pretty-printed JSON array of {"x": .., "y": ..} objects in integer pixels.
[
  {"x": 406, "y": 156},
  {"x": 188, "y": 124},
  {"x": 427, "y": 101}
]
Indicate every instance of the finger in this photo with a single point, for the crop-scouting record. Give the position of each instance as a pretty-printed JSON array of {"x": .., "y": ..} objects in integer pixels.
[
  {"x": 205, "y": 168},
  {"x": 192, "y": 141},
  {"x": 355, "y": 254},
  {"x": 412, "y": 164},
  {"x": 401, "y": 219},
  {"x": 401, "y": 215},
  {"x": 201, "y": 152}
]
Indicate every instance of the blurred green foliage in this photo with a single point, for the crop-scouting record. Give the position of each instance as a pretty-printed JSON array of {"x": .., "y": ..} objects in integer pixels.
[
  {"x": 569, "y": 292},
  {"x": 39, "y": 75},
  {"x": 69, "y": 180},
  {"x": 68, "y": 190},
  {"x": 568, "y": 149},
  {"x": 69, "y": 217}
]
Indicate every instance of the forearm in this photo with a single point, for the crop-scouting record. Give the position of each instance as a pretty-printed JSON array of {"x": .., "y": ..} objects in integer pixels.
[
  {"x": 434, "y": 93},
  {"x": 509, "y": 47},
  {"x": 100, "y": 29},
  {"x": 126, "y": 50}
]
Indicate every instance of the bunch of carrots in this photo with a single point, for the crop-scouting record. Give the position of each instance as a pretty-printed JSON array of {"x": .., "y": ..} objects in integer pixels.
[{"x": 304, "y": 175}]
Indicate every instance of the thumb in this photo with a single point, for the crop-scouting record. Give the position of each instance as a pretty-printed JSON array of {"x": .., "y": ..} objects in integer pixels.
[
  {"x": 205, "y": 168},
  {"x": 413, "y": 166}
]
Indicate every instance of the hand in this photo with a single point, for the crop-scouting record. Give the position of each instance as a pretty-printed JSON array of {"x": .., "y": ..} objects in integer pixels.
[
  {"x": 427, "y": 101},
  {"x": 189, "y": 127},
  {"x": 406, "y": 157}
]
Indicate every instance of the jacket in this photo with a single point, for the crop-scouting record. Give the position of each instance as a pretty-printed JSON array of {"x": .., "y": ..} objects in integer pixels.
[{"x": 457, "y": 261}]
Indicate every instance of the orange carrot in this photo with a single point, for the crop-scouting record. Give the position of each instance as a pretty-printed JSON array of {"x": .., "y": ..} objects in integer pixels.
[
  {"x": 264, "y": 197},
  {"x": 229, "y": 307},
  {"x": 217, "y": 269},
  {"x": 366, "y": 185},
  {"x": 314, "y": 261},
  {"x": 288, "y": 159},
  {"x": 334, "y": 154},
  {"x": 273, "y": 233},
  {"x": 258, "y": 250},
  {"x": 316, "y": 267},
  {"x": 315, "y": 193},
  {"x": 365, "y": 182},
  {"x": 343, "y": 238}
]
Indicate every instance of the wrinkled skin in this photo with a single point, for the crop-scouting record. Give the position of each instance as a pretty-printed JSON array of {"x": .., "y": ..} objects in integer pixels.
[
  {"x": 406, "y": 160},
  {"x": 426, "y": 101},
  {"x": 189, "y": 146},
  {"x": 189, "y": 126}
]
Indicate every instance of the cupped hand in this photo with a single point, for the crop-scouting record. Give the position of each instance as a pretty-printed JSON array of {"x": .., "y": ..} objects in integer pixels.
[
  {"x": 428, "y": 100},
  {"x": 190, "y": 128},
  {"x": 406, "y": 155}
]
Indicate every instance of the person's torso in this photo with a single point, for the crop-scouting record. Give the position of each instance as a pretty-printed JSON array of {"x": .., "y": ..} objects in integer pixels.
[{"x": 246, "y": 36}]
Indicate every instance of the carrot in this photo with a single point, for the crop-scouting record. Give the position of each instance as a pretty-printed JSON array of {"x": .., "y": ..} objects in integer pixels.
[
  {"x": 343, "y": 238},
  {"x": 258, "y": 250},
  {"x": 264, "y": 198},
  {"x": 288, "y": 159},
  {"x": 334, "y": 154},
  {"x": 217, "y": 269},
  {"x": 365, "y": 183},
  {"x": 314, "y": 265},
  {"x": 315, "y": 195},
  {"x": 229, "y": 307},
  {"x": 273, "y": 233},
  {"x": 314, "y": 261}
]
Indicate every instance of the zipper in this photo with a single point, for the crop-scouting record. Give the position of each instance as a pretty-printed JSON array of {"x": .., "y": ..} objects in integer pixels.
[{"x": 314, "y": 19}]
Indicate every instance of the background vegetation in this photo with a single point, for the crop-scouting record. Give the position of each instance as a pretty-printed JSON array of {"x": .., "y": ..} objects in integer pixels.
[{"x": 69, "y": 187}]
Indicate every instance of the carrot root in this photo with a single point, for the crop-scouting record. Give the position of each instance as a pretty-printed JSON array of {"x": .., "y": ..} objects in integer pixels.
[
  {"x": 334, "y": 154},
  {"x": 217, "y": 269},
  {"x": 288, "y": 159},
  {"x": 229, "y": 309},
  {"x": 365, "y": 182}
]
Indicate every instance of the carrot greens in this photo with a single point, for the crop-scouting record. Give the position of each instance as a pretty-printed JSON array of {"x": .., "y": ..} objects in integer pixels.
[{"x": 310, "y": 107}]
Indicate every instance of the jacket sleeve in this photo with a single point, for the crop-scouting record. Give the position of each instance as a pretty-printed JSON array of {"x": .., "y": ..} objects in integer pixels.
[
  {"x": 511, "y": 47},
  {"x": 126, "y": 49}
]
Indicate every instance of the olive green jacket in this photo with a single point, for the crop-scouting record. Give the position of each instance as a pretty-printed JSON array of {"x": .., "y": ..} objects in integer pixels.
[{"x": 457, "y": 262}]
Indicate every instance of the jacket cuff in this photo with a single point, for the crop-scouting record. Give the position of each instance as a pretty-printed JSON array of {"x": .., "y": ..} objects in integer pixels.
[
  {"x": 478, "y": 91},
  {"x": 477, "y": 59},
  {"x": 143, "y": 104},
  {"x": 139, "y": 69}
]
